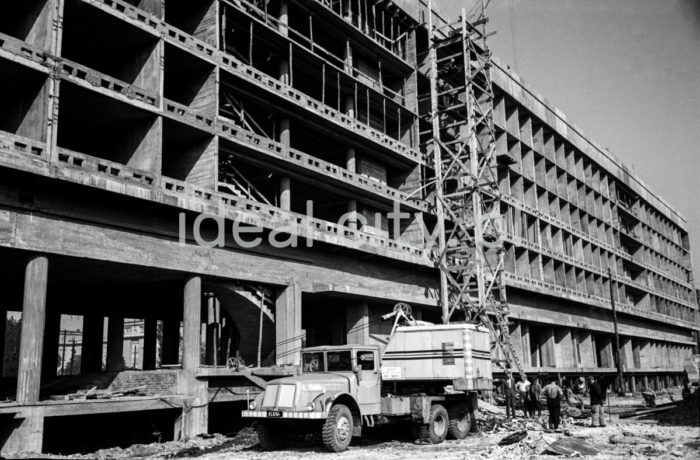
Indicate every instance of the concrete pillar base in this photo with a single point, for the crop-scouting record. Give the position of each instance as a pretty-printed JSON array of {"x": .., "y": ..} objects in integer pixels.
[
  {"x": 23, "y": 436},
  {"x": 194, "y": 419}
]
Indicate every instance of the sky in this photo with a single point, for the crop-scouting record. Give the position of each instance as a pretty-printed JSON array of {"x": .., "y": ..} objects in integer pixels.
[{"x": 626, "y": 72}]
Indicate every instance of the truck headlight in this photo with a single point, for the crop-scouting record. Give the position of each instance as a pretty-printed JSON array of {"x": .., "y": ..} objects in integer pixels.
[
  {"x": 311, "y": 406},
  {"x": 252, "y": 405}
]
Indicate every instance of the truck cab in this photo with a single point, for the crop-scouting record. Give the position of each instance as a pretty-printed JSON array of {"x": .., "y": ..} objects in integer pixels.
[{"x": 341, "y": 383}]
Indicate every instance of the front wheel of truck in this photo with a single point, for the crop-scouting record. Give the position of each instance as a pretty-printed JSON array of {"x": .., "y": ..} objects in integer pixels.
[
  {"x": 270, "y": 439},
  {"x": 337, "y": 429}
]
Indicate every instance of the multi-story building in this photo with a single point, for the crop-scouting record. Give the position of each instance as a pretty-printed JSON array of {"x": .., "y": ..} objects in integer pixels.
[{"x": 156, "y": 154}]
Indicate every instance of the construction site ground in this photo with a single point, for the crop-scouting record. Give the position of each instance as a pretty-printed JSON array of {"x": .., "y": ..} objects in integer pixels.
[{"x": 674, "y": 433}]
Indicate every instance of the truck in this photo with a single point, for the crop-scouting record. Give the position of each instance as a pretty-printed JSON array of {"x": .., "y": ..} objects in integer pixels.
[{"x": 428, "y": 376}]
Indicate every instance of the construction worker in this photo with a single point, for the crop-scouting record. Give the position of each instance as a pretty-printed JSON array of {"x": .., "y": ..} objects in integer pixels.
[
  {"x": 534, "y": 396},
  {"x": 554, "y": 396},
  {"x": 509, "y": 393},
  {"x": 597, "y": 395},
  {"x": 523, "y": 387}
]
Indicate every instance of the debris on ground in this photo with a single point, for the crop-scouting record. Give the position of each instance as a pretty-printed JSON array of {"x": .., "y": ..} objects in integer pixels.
[
  {"x": 686, "y": 412},
  {"x": 513, "y": 438},
  {"x": 529, "y": 438},
  {"x": 570, "y": 447},
  {"x": 94, "y": 393}
]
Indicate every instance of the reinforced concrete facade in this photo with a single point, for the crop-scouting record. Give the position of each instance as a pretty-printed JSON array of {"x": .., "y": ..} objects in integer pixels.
[{"x": 136, "y": 137}]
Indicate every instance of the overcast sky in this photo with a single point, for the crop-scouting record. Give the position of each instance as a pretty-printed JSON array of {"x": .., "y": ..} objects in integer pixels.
[{"x": 627, "y": 72}]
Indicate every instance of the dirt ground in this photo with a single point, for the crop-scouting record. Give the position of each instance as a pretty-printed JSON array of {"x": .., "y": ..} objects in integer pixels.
[{"x": 673, "y": 434}]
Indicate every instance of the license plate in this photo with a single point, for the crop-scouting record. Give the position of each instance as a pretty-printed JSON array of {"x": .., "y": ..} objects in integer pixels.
[{"x": 274, "y": 413}]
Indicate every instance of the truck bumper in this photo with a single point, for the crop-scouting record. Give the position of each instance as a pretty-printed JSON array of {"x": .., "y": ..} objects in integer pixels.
[{"x": 284, "y": 415}]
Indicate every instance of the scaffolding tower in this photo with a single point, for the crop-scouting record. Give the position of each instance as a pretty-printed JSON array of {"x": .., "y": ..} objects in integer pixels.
[{"x": 468, "y": 205}]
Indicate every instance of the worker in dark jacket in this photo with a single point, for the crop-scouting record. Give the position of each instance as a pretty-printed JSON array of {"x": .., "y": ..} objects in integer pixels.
[
  {"x": 597, "y": 394},
  {"x": 554, "y": 396}
]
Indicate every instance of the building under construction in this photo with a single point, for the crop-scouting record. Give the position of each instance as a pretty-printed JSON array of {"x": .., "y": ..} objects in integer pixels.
[{"x": 247, "y": 177}]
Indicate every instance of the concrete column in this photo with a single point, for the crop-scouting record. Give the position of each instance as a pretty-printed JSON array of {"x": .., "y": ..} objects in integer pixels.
[
  {"x": 93, "y": 333},
  {"x": 347, "y": 57},
  {"x": 350, "y": 160},
  {"x": 285, "y": 78},
  {"x": 351, "y": 165},
  {"x": 285, "y": 199},
  {"x": 288, "y": 325},
  {"x": 564, "y": 348},
  {"x": 283, "y": 18},
  {"x": 547, "y": 347},
  {"x": 587, "y": 349},
  {"x": 195, "y": 415},
  {"x": 171, "y": 341},
  {"x": 36, "y": 276},
  {"x": 285, "y": 182},
  {"x": 191, "y": 327},
  {"x": 115, "y": 344},
  {"x": 357, "y": 323},
  {"x": 212, "y": 345},
  {"x": 525, "y": 334},
  {"x": 150, "y": 333},
  {"x": 626, "y": 354}
]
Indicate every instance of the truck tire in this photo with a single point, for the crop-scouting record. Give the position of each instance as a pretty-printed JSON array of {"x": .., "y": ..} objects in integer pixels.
[
  {"x": 269, "y": 439},
  {"x": 460, "y": 421},
  {"x": 435, "y": 431},
  {"x": 337, "y": 429}
]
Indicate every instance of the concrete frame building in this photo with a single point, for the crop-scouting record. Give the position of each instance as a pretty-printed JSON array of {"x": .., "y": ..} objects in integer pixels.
[{"x": 138, "y": 136}]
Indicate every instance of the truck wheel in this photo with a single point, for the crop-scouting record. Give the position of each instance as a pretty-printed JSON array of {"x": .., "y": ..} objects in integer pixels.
[
  {"x": 460, "y": 421},
  {"x": 337, "y": 429},
  {"x": 269, "y": 440},
  {"x": 436, "y": 429}
]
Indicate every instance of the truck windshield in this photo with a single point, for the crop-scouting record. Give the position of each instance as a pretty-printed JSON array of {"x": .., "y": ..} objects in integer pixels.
[
  {"x": 339, "y": 361},
  {"x": 313, "y": 362}
]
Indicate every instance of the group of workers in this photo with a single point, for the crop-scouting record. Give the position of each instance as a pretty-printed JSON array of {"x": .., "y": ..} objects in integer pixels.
[{"x": 529, "y": 393}]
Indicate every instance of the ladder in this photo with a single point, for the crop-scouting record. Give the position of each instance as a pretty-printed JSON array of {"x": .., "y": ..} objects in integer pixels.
[{"x": 470, "y": 249}]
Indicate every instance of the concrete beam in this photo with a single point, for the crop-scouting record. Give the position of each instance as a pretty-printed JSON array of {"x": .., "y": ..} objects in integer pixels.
[{"x": 68, "y": 235}]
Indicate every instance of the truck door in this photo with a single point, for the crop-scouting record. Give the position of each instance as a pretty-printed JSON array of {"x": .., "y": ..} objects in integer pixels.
[{"x": 368, "y": 388}]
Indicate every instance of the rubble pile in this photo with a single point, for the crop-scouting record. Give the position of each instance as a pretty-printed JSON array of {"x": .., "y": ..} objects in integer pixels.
[{"x": 687, "y": 412}]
